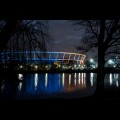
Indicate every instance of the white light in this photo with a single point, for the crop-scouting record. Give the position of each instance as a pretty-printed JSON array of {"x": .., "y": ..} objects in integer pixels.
[
  {"x": 91, "y": 79},
  {"x": 110, "y": 79},
  {"x": 20, "y": 76},
  {"x": 116, "y": 79},
  {"x": 91, "y": 60},
  {"x": 20, "y": 86},
  {"x": 75, "y": 82},
  {"x": 75, "y": 78},
  {"x": 114, "y": 66},
  {"x": 116, "y": 76},
  {"x": 36, "y": 80},
  {"x": 69, "y": 79},
  {"x": 94, "y": 66},
  {"x": 110, "y": 61},
  {"x": 82, "y": 67},
  {"x": 82, "y": 78},
  {"x": 79, "y": 78},
  {"x": 46, "y": 79},
  {"x": 117, "y": 83},
  {"x": 21, "y": 66},
  {"x": 36, "y": 66},
  {"x": 63, "y": 79}
]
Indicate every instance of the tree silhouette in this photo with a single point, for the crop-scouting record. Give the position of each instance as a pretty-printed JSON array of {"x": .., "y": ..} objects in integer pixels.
[
  {"x": 104, "y": 34},
  {"x": 24, "y": 35},
  {"x": 7, "y": 30}
]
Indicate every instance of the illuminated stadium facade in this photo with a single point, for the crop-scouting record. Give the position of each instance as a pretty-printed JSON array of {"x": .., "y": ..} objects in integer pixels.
[{"x": 38, "y": 57}]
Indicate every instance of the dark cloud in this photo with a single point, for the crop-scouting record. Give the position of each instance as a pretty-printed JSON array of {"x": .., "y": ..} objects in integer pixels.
[{"x": 65, "y": 37}]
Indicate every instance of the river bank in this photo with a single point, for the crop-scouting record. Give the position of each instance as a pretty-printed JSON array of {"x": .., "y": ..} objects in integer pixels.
[{"x": 107, "y": 70}]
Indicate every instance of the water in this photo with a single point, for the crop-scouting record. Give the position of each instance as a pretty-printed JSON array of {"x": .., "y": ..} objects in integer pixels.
[
  {"x": 57, "y": 85},
  {"x": 112, "y": 81}
]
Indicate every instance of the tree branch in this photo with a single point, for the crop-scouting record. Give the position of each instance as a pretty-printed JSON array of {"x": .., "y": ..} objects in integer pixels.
[
  {"x": 93, "y": 30},
  {"x": 8, "y": 31}
]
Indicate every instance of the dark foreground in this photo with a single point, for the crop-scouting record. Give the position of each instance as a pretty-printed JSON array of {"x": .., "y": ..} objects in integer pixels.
[
  {"x": 82, "y": 108},
  {"x": 76, "y": 108}
]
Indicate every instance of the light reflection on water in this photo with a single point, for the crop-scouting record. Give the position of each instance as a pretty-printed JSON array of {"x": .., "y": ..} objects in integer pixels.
[
  {"x": 69, "y": 79},
  {"x": 46, "y": 79},
  {"x": 20, "y": 76},
  {"x": 91, "y": 78},
  {"x": 79, "y": 78},
  {"x": 112, "y": 81},
  {"x": 36, "y": 81},
  {"x": 20, "y": 86},
  {"x": 49, "y": 84},
  {"x": 63, "y": 79}
]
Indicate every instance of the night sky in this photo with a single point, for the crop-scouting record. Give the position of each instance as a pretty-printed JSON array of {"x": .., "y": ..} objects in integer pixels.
[{"x": 65, "y": 36}]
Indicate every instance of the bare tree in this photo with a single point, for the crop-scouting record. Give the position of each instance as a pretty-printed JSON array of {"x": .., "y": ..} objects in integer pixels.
[
  {"x": 104, "y": 34},
  {"x": 7, "y": 30},
  {"x": 29, "y": 35}
]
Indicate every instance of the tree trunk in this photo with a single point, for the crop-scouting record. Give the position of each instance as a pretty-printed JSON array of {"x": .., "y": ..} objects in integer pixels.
[
  {"x": 101, "y": 61},
  {"x": 100, "y": 78}
]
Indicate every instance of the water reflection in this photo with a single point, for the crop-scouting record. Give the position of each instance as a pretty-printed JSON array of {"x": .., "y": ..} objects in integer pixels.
[
  {"x": 59, "y": 79},
  {"x": 91, "y": 79},
  {"x": 46, "y": 79},
  {"x": 117, "y": 84},
  {"x": 75, "y": 79},
  {"x": 116, "y": 79},
  {"x": 36, "y": 84},
  {"x": 112, "y": 80},
  {"x": 55, "y": 83},
  {"x": 79, "y": 78},
  {"x": 69, "y": 79},
  {"x": 63, "y": 79},
  {"x": 36, "y": 81},
  {"x": 82, "y": 78},
  {"x": 20, "y": 76},
  {"x": 20, "y": 86},
  {"x": 48, "y": 84}
]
